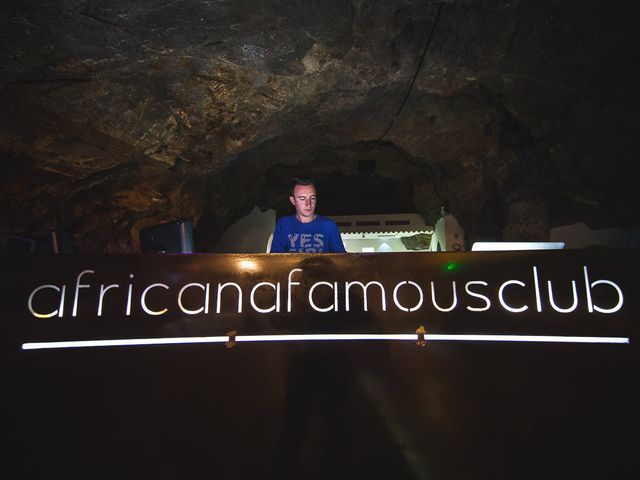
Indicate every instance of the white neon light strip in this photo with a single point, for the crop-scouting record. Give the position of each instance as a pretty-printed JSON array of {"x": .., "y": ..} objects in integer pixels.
[
  {"x": 502, "y": 246},
  {"x": 322, "y": 337}
]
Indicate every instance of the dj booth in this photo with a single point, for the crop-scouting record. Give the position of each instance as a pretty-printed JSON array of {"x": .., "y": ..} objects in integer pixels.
[{"x": 409, "y": 366}]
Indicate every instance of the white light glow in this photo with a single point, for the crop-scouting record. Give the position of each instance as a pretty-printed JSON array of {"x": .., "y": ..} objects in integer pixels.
[
  {"x": 249, "y": 265},
  {"x": 384, "y": 247},
  {"x": 498, "y": 246},
  {"x": 323, "y": 337}
]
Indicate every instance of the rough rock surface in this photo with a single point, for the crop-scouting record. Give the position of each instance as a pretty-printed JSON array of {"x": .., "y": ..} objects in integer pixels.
[{"x": 115, "y": 115}]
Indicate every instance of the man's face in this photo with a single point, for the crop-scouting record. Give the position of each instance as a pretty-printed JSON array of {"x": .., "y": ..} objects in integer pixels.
[{"x": 304, "y": 199}]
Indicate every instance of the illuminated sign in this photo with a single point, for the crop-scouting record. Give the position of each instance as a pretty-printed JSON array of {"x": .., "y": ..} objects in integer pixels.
[
  {"x": 341, "y": 294},
  {"x": 528, "y": 356},
  {"x": 79, "y": 301}
]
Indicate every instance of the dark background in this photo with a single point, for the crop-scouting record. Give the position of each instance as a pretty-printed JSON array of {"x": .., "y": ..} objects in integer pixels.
[
  {"x": 518, "y": 116},
  {"x": 324, "y": 409}
]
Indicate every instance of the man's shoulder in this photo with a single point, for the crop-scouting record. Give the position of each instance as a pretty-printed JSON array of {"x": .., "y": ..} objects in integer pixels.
[
  {"x": 326, "y": 223},
  {"x": 291, "y": 219},
  {"x": 323, "y": 219},
  {"x": 290, "y": 223},
  {"x": 286, "y": 220}
]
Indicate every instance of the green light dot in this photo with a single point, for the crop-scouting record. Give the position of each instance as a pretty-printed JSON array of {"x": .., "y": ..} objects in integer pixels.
[{"x": 451, "y": 266}]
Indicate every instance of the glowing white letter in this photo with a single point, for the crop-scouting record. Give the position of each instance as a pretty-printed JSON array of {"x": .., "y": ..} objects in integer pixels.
[
  {"x": 564, "y": 310},
  {"x": 289, "y": 285},
  {"x": 144, "y": 304},
  {"x": 204, "y": 308},
  {"x": 219, "y": 300},
  {"x": 536, "y": 287},
  {"x": 477, "y": 295},
  {"x": 104, "y": 290},
  {"x": 364, "y": 289},
  {"x": 501, "y": 297},
  {"x": 395, "y": 297},
  {"x": 312, "y": 303},
  {"x": 58, "y": 312},
  {"x": 78, "y": 287},
  {"x": 589, "y": 286},
  {"x": 275, "y": 307},
  {"x": 433, "y": 298}
]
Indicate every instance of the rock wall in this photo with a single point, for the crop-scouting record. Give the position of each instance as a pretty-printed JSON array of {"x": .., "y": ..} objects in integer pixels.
[{"x": 116, "y": 115}]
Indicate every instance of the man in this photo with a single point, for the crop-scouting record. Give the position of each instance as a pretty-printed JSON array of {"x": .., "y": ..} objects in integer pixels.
[{"x": 306, "y": 232}]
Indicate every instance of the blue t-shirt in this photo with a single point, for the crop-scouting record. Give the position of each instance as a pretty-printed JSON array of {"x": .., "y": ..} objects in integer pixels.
[{"x": 319, "y": 236}]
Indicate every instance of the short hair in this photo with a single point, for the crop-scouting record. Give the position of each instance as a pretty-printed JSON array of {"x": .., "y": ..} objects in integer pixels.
[{"x": 303, "y": 181}]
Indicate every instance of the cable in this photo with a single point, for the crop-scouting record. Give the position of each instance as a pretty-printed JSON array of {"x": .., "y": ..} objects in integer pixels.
[{"x": 415, "y": 76}]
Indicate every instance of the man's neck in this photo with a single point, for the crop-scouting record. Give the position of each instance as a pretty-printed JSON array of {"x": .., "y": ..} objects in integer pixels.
[{"x": 306, "y": 219}]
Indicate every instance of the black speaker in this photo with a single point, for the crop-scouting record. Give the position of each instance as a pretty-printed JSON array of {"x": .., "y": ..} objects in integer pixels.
[
  {"x": 634, "y": 237},
  {"x": 55, "y": 242},
  {"x": 16, "y": 243},
  {"x": 172, "y": 237},
  {"x": 61, "y": 242}
]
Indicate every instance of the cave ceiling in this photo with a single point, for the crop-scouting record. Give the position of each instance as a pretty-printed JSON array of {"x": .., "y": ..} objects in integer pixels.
[{"x": 517, "y": 116}]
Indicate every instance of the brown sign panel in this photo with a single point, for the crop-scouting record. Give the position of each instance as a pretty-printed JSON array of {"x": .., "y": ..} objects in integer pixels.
[{"x": 312, "y": 407}]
